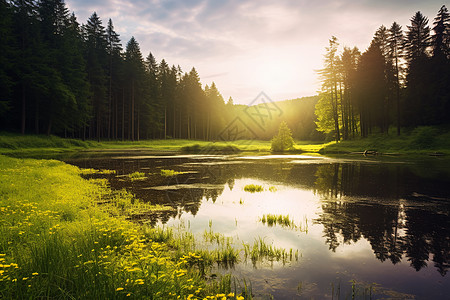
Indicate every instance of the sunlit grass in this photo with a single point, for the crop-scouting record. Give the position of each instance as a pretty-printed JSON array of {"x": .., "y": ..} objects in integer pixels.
[
  {"x": 170, "y": 173},
  {"x": 284, "y": 221},
  {"x": 136, "y": 176},
  {"x": 253, "y": 188},
  {"x": 261, "y": 250},
  {"x": 62, "y": 236},
  {"x": 272, "y": 220}
]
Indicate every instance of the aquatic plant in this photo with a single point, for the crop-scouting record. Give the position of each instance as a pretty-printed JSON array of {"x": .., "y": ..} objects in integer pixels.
[
  {"x": 136, "y": 176},
  {"x": 253, "y": 188},
  {"x": 261, "y": 250},
  {"x": 284, "y": 221},
  {"x": 170, "y": 173},
  {"x": 272, "y": 220}
]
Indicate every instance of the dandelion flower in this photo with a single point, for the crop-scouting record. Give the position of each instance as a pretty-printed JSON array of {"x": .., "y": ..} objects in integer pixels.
[{"x": 119, "y": 289}]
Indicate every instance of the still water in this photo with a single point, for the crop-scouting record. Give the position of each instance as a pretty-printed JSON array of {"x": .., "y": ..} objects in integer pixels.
[{"x": 381, "y": 225}]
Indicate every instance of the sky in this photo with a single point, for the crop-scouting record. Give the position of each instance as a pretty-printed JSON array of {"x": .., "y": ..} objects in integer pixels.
[{"x": 248, "y": 46}]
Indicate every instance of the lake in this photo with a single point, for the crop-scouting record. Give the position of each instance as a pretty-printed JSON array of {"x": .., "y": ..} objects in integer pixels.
[{"x": 371, "y": 226}]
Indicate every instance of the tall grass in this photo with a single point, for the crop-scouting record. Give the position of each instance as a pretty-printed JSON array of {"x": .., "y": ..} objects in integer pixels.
[
  {"x": 261, "y": 250},
  {"x": 284, "y": 221},
  {"x": 57, "y": 241},
  {"x": 253, "y": 188},
  {"x": 170, "y": 173},
  {"x": 136, "y": 176}
]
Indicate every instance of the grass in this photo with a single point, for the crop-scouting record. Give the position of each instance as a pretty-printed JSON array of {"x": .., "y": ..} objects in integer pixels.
[
  {"x": 253, "y": 188},
  {"x": 211, "y": 148},
  {"x": 136, "y": 176},
  {"x": 422, "y": 140},
  {"x": 261, "y": 250},
  {"x": 62, "y": 236},
  {"x": 272, "y": 220},
  {"x": 170, "y": 173},
  {"x": 284, "y": 221}
]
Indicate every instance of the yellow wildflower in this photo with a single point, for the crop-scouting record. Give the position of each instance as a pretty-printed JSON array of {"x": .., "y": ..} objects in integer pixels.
[{"x": 119, "y": 289}]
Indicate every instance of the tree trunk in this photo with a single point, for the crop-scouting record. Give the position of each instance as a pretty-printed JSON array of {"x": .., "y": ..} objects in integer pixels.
[
  {"x": 123, "y": 114},
  {"x": 24, "y": 114},
  {"x": 36, "y": 116},
  {"x": 132, "y": 110}
]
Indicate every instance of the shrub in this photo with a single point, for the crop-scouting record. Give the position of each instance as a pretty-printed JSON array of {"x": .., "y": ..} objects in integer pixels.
[
  {"x": 423, "y": 137},
  {"x": 283, "y": 141}
]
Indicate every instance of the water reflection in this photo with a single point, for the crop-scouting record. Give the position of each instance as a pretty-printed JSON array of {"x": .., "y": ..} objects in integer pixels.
[
  {"x": 381, "y": 204},
  {"x": 401, "y": 209}
]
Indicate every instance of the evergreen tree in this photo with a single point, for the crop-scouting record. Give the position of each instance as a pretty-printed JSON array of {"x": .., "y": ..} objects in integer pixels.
[
  {"x": 135, "y": 74},
  {"x": 396, "y": 41},
  {"x": 96, "y": 59},
  {"x": 441, "y": 39},
  {"x": 153, "y": 92},
  {"x": 349, "y": 61},
  {"x": 417, "y": 110},
  {"x": 283, "y": 141},
  {"x": 440, "y": 67},
  {"x": 371, "y": 89},
  {"x": 6, "y": 56},
  {"x": 113, "y": 49},
  {"x": 330, "y": 76},
  {"x": 26, "y": 69}
]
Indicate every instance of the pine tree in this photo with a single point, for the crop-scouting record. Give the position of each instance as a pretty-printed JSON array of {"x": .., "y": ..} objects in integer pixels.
[
  {"x": 283, "y": 141},
  {"x": 441, "y": 39},
  {"x": 330, "y": 80},
  {"x": 96, "y": 59},
  {"x": 26, "y": 73},
  {"x": 154, "y": 94},
  {"x": 6, "y": 56},
  {"x": 396, "y": 41},
  {"x": 371, "y": 89},
  {"x": 349, "y": 61},
  {"x": 113, "y": 49},
  {"x": 135, "y": 74},
  {"x": 440, "y": 67},
  {"x": 417, "y": 111}
]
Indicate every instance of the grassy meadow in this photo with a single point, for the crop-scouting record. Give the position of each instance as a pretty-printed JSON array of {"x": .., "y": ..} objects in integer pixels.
[
  {"x": 422, "y": 140},
  {"x": 66, "y": 237}
]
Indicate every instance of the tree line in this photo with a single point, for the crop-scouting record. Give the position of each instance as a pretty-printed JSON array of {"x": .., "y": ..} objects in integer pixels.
[
  {"x": 60, "y": 77},
  {"x": 401, "y": 81}
]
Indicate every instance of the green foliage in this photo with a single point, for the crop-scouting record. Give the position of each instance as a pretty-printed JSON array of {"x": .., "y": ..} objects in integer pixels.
[
  {"x": 424, "y": 137},
  {"x": 253, "y": 188},
  {"x": 136, "y": 176},
  {"x": 170, "y": 173},
  {"x": 283, "y": 141},
  {"x": 210, "y": 148},
  {"x": 55, "y": 239},
  {"x": 261, "y": 250}
]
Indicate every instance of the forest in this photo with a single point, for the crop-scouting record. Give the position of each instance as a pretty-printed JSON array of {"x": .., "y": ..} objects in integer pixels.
[
  {"x": 60, "y": 77},
  {"x": 401, "y": 80}
]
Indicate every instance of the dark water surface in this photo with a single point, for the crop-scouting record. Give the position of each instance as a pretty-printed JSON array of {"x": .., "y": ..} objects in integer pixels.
[{"x": 382, "y": 223}]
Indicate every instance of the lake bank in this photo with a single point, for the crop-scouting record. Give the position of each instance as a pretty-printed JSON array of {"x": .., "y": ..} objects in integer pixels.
[
  {"x": 218, "y": 227},
  {"x": 421, "y": 141},
  {"x": 63, "y": 236}
]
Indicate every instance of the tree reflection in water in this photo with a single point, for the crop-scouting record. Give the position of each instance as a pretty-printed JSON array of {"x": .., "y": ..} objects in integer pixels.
[
  {"x": 380, "y": 204},
  {"x": 402, "y": 210}
]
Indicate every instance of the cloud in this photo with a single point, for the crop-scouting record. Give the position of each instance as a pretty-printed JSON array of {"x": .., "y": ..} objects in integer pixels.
[{"x": 235, "y": 38}]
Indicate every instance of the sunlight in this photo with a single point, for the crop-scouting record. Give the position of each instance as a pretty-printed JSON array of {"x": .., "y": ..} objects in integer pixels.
[{"x": 274, "y": 75}]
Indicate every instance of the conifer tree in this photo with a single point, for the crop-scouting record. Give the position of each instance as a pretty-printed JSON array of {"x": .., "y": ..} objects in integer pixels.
[{"x": 396, "y": 41}]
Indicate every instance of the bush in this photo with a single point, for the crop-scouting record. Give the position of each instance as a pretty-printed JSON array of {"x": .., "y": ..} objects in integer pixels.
[
  {"x": 423, "y": 137},
  {"x": 283, "y": 141}
]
